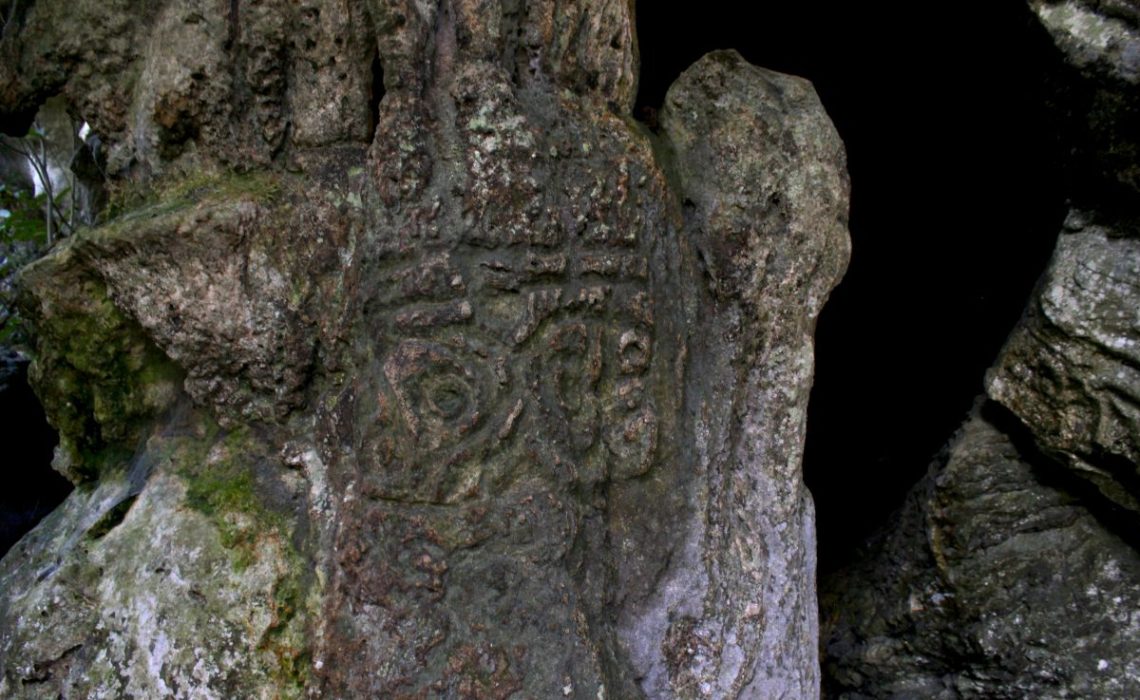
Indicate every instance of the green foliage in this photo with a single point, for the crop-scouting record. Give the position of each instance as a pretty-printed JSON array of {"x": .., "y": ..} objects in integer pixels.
[
  {"x": 22, "y": 236},
  {"x": 28, "y": 224},
  {"x": 21, "y": 215},
  {"x": 47, "y": 214}
]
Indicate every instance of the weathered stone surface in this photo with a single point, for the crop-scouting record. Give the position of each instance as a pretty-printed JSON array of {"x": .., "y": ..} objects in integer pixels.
[
  {"x": 990, "y": 584},
  {"x": 177, "y": 86},
  {"x": 507, "y": 402},
  {"x": 1071, "y": 369},
  {"x": 769, "y": 223},
  {"x": 166, "y": 579},
  {"x": 1095, "y": 35},
  {"x": 1097, "y": 99}
]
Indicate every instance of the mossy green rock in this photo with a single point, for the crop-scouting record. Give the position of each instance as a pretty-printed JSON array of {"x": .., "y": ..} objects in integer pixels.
[{"x": 101, "y": 380}]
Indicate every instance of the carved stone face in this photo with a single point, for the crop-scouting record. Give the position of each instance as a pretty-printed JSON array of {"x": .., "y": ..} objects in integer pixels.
[
  {"x": 511, "y": 373},
  {"x": 493, "y": 360},
  {"x": 472, "y": 317}
]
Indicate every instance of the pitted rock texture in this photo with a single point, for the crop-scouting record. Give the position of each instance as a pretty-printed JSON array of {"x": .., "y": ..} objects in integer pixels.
[
  {"x": 1095, "y": 35},
  {"x": 773, "y": 240},
  {"x": 480, "y": 389},
  {"x": 178, "y": 86},
  {"x": 1071, "y": 369},
  {"x": 158, "y": 582},
  {"x": 990, "y": 584}
]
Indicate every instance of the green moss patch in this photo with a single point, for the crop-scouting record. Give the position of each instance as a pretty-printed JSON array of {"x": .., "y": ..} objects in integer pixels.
[
  {"x": 229, "y": 485},
  {"x": 133, "y": 203},
  {"x": 101, "y": 380},
  {"x": 224, "y": 488}
]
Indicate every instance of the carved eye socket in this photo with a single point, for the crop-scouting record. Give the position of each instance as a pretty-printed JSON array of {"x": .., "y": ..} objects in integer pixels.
[
  {"x": 573, "y": 366},
  {"x": 437, "y": 392},
  {"x": 448, "y": 396}
]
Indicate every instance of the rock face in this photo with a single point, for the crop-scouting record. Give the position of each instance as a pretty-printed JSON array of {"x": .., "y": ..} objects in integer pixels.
[
  {"x": 990, "y": 584},
  {"x": 412, "y": 366},
  {"x": 770, "y": 227},
  {"x": 1096, "y": 98},
  {"x": 1012, "y": 571},
  {"x": 1071, "y": 369}
]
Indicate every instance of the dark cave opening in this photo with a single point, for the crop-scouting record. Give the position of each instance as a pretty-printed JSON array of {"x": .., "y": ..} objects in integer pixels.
[
  {"x": 956, "y": 203},
  {"x": 32, "y": 488}
]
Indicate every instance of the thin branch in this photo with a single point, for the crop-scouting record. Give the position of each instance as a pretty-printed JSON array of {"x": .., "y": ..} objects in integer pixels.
[
  {"x": 48, "y": 190},
  {"x": 11, "y": 15},
  {"x": 53, "y": 213},
  {"x": 73, "y": 193}
]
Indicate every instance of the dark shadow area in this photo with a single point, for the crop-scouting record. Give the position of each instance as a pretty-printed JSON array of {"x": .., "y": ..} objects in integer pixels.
[
  {"x": 32, "y": 489},
  {"x": 956, "y": 203},
  {"x": 377, "y": 92}
]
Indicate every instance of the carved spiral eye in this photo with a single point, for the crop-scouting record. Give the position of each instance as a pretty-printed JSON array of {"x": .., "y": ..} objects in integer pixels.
[
  {"x": 437, "y": 391},
  {"x": 448, "y": 396}
]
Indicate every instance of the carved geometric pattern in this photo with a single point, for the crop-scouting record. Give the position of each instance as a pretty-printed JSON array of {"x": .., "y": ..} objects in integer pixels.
[{"x": 480, "y": 344}]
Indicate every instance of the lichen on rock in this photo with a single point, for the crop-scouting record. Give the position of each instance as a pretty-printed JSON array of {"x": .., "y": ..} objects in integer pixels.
[
  {"x": 499, "y": 396},
  {"x": 129, "y": 589},
  {"x": 102, "y": 381}
]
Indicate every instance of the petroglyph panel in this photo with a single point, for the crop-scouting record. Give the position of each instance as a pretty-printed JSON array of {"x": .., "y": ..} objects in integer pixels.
[{"x": 490, "y": 353}]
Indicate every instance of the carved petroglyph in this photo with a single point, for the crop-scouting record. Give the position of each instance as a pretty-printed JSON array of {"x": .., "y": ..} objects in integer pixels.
[
  {"x": 544, "y": 368},
  {"x": 513, "y": 330},
  {"x": 575, "y": 355}
]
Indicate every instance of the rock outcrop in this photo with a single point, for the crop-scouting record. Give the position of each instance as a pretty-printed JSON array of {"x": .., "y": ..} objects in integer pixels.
[
  {"x": 409, "y": 365},
  {"x": 1071, "y": 369},
  {"x": 1013, "y": 571},
  {"x": 1096, "y": 97},
  {"x": 993, "y": 582}
]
